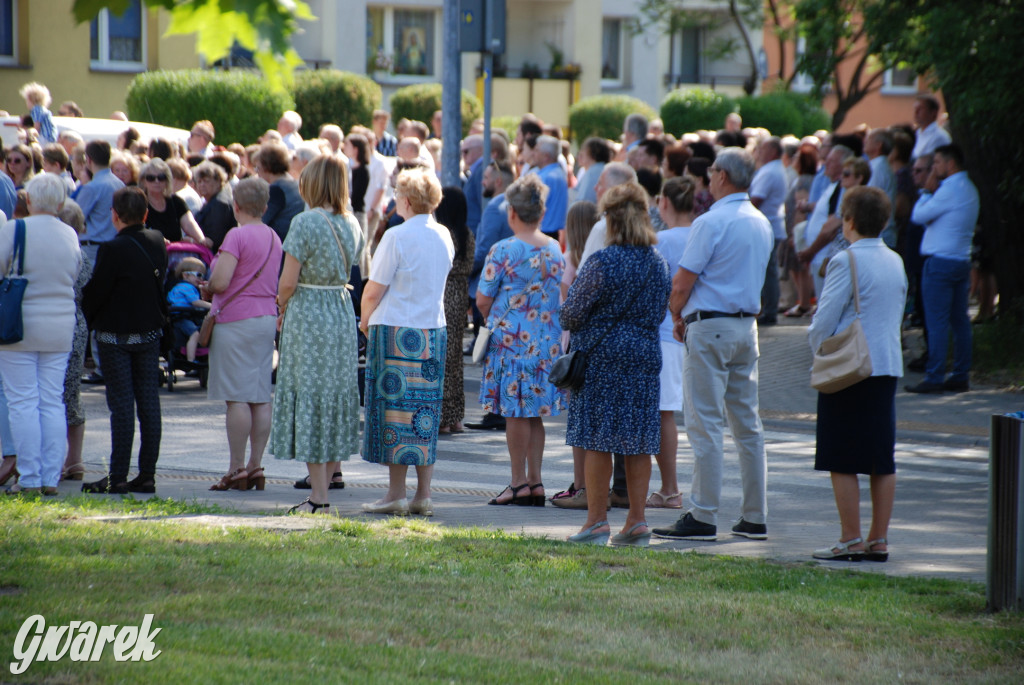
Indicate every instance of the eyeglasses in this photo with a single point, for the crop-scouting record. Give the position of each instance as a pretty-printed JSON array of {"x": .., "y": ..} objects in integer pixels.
[
  {"x": 16, "y": 160},
  {"x": 712, "y": 169},
  {"x": 847, "y": 174},
  {"x": 154, "y": 179},
  {"x": 192, "y": 273}
]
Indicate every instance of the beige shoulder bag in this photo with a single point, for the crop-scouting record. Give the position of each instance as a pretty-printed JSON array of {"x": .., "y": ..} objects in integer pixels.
[{"x": 843, "y": 359}]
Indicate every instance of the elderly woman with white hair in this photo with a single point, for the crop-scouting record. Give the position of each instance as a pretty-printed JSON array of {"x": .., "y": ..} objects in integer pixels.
[
  {"x": 33, "y": 368},
  {"x": 168, "y": 212}
]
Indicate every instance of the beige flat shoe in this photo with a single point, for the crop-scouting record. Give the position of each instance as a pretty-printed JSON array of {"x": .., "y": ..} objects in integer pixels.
[
  {"x": 656, "y": 500},
  {"x": 397, "y": 506},
  {"x": 422, "y": 507}
]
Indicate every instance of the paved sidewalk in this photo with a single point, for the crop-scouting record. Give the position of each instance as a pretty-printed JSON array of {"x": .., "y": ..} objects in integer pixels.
[{"x": 938, "y": 529}]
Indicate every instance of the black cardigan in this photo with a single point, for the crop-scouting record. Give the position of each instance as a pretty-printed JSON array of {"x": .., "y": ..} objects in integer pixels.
[{"x": 123, "y": 295}]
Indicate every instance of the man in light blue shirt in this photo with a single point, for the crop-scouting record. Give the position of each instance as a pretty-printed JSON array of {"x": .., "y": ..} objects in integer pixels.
[
  {"x": 948, "y": 210},
  {"x": 877, "y": 147},
  {"x": 472, "y": 149},
  {"x": 554, "y": 177},
  {"x": 634, "y": 129},
  {"x": 768, "y": 193},
  {"x": 716, "y": 294}
]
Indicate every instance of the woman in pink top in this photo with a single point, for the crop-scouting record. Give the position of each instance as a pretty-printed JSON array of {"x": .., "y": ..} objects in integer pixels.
[{"x": 244, "y": 287}]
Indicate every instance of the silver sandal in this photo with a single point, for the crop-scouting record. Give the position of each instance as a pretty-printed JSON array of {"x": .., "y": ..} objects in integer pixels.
[{"x": 840, "y": 551}]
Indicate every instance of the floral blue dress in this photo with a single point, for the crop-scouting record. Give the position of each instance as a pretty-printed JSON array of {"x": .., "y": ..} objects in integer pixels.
[
  {"x": 617, "y": 408},
  {"x": 525, "y": 337}
]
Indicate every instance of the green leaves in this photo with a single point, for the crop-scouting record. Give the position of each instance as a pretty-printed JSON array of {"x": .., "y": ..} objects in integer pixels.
[{"x": 263, "y": 26}]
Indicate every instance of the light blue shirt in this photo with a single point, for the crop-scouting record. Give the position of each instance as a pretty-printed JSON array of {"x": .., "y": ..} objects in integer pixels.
[
  {"x": 43, "y": 120},
  {"x": 949, "y": 217},
  {"x": 769, "y": 184},
  {"x": 728, "y": 248},
  {"x": 818, "y": 185},
  {"x": 95, "y": 198},
  {"x": 8, "y": 195},
  {"x": 493, "y": 227},
  {"x": 586, "y": 189},
  {"x": 671, "y": 244},
  {"x": 882, "y": 284},
  {"x": 557, "y": 204}
]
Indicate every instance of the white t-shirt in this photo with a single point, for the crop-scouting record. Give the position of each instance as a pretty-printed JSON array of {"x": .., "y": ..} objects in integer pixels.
[{"x": 413, "y": 261}]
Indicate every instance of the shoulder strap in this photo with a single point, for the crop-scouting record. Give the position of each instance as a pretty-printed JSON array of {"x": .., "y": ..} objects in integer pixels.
[
  {"x": 19, "y": 247},
  {"x": 853, "y": 277},
  {"x": 344, "y": 259}
]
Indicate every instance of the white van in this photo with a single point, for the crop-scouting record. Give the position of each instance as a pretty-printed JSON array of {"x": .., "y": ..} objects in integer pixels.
[{"x": 96, "y": 129}]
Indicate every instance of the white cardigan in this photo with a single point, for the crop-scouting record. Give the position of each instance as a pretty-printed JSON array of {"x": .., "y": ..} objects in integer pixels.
[{"x": 52, "y": 262}]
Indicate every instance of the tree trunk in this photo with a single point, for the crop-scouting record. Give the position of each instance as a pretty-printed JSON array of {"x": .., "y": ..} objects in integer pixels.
[{"x": 750, "y": 85}]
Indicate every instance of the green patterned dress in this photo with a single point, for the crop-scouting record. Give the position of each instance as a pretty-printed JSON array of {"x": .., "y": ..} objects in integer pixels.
[{"x": 316, "y": 402}]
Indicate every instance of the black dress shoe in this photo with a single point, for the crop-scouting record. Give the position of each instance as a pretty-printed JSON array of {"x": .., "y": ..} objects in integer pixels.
[
  {"x": 489, "y": 422},
  {"x": 144, "y": 483},
  {"x": 688, "y": 528},
  {"x": 93, "y": 379},
  {"x": 926, "y": 388},
  {"x": 767, "y": 322},
  {"x": 103, "y": 486},
  {"x": 956, "y": 386}
]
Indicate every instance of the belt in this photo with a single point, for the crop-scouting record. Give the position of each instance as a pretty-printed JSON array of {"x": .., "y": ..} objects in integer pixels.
[
  {"x": 92, "y": 242},
  {"x": 700, "y": 316}
]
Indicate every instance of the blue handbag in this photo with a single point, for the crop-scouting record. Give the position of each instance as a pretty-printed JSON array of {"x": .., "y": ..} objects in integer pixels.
[{"x": 12, "y": 289}]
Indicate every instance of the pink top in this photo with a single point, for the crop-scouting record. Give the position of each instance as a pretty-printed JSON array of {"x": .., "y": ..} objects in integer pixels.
[{"x": 249, "y": 244}]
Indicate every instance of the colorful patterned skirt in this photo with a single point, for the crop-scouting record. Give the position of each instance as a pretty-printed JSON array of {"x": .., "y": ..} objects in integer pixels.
[{"x": 404, "y": 387}]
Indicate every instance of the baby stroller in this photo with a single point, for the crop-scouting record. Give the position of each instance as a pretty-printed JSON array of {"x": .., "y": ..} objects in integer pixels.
[{"x": 173, "y": 343}]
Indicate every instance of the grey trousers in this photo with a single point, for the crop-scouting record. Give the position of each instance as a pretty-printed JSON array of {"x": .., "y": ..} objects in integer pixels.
[{"x": 719, "y": 382}]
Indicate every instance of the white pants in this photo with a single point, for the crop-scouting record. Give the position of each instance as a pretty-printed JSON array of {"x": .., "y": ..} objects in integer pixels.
[
  {"x": 719, "y": 376},
  {"x": 34, "y": 384}
]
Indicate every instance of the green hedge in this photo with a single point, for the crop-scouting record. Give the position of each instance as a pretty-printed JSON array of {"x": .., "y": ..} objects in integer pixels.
[
  {"x": 419, "y": 103},
  {"x": 509, "y": 124},
  {"x": 603, "y": 116},
  {"x": 329, "y": 96},
  {"x": 240, "y": 104},
  {"x": 812, "y": 116},
  {"x": 693, "y": 110},
  {"x": 774, "y": 112}
]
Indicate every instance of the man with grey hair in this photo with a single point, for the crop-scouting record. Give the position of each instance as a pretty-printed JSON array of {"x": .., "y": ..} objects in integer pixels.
[
  {"x": 768, "y": 193},
  {"x": 634, "y": 129},
  {"x": 715, "y": 298},
  {"x": 472, "y": 151},
  {"x": 614, "y": 173},
  {"x": 824, "y": 223},
  {"x": 288, "y": 126},
  {"x": 877, "y": 146},
  {"x": 554, "y": 177}
]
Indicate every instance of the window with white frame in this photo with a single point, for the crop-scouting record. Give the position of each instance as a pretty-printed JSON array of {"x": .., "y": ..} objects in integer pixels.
[
  {"x": 802, "y": 83},
  {"x": 612, "y": 44},
  {"x": 8, "y": 32},
  {"x": 899, "y": 81},
  {"x": 118, "y": 42},
  {"x": 402, "y": 41}
]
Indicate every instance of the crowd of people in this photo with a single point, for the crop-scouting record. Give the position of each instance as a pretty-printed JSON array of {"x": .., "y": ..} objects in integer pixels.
[{"x": 654, "y": 259}]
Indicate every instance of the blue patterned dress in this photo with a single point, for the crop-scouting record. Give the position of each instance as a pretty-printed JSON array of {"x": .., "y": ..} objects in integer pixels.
[
  {"x": 617, "y": 408},
  {"x": 526, "y": 340}
]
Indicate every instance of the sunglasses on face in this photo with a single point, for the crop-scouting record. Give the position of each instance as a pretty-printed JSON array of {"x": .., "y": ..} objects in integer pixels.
[
  {"x": 16, "y": 160},
  {"x": 154, "y": 179},
  {"x": 192, "y": 273}
]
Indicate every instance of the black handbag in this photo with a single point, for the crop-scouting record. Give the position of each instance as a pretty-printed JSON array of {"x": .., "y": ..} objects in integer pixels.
[
  {"x": 568, "y": 371},
  {"x": 12, "y": 290}
]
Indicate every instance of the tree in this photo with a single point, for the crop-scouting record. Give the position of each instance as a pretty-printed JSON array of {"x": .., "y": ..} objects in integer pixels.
[
  {"x": 971, "y": 48},
  {"x": 263, "y": 26}
]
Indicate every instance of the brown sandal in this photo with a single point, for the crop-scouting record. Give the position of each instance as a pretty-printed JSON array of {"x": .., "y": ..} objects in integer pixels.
[{"x": 236, "y": 480}]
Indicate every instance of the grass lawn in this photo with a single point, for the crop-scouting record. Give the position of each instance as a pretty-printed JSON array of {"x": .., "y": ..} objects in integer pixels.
[{"x": 407, "y": 601}]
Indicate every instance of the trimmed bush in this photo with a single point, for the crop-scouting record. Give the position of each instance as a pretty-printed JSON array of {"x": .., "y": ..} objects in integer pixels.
[
  {"x": 329, "y": 96},
  {"x": 603, "y": 116},
  {"x": 419, "y": 102},
  {"x": 774, "y": 112},
  {"x": 241, "y": 104},
  {"x": 686, "y": 111},
  {"x": 812, "y": 116},
  {"x": 509, "y": 124}
]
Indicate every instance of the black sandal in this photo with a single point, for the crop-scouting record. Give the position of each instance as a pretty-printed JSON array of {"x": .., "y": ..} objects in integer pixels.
[
  {"x": 524, "y": 501},
  {"x": 303, "y": 483},
  {"x": 538, "y": 500},
  {"x": 314, "y": 505}
]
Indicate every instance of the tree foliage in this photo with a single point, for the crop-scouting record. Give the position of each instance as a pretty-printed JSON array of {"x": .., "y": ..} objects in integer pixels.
[{"x": 263, "y": 26}]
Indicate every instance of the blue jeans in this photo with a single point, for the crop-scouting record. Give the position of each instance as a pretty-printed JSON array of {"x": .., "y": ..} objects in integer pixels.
[{"x": 944, "y": 286}]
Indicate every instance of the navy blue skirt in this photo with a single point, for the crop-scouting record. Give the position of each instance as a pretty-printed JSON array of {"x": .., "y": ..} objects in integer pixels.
[{"x": 856, "y": 429}]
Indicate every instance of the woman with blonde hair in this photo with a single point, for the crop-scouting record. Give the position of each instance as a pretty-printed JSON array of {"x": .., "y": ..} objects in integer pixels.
[
  {"x": 316, "y": 403},
  {"x": 403, "y": 316},
  {"x": 20, "y": 165},
  {"x": 613, "y": 311},
  {"x": 168, "y": 213}
]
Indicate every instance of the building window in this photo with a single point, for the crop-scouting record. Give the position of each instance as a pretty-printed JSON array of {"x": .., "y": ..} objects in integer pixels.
[
  {"x": 897, "y": 81},
  {"x": 118, "y": 42},
  {"x": 611, "y": 50},
  {"x": 802, "y": 83},
  {"x": 8, "y": 34},
  {"x": 401, "y": 41}
]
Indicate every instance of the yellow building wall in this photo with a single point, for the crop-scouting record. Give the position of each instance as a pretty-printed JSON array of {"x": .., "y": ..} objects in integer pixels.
[{"x": 55, "y": 52}]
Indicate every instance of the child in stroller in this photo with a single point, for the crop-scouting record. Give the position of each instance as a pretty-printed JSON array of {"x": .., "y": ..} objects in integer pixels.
[{"x": 187, "y": 305}]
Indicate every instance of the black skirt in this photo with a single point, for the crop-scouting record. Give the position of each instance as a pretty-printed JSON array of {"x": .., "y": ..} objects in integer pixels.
[{"x": 856, "y": 429}]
